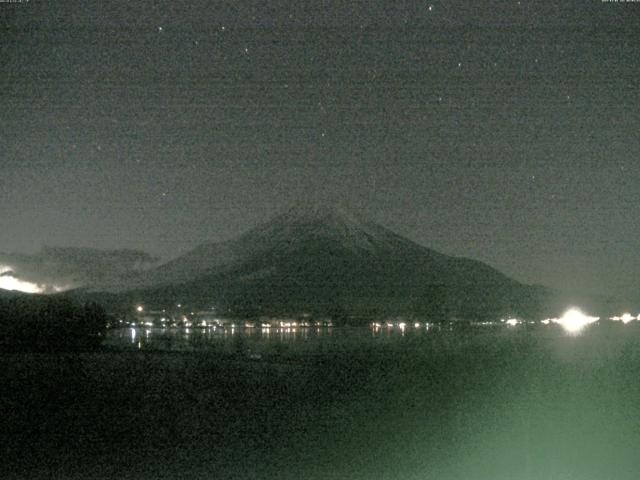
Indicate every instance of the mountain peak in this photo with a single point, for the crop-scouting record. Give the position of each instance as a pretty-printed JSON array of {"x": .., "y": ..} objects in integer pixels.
[
  {"x": 321, "y": 221},
  {"x": 313, "y": 212},
  {"x": 312, "y": 256}
]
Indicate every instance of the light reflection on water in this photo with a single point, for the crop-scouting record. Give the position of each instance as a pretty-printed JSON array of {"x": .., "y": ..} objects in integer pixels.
[
  {"x": 256, "y": 339},
  {"x": 202, "y": 338},
  {"x": 194, "y": 338}
]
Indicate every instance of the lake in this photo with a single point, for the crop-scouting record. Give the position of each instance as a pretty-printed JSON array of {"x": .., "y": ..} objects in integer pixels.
[
  {"x": 495, "y": 403},
  {"x": 258, "y": 339}
]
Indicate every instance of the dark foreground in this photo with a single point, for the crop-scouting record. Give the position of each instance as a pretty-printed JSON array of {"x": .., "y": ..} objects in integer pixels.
[{"x": 504, "y": 404}]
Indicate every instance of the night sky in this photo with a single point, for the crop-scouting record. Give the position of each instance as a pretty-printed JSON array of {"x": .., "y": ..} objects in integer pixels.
[{"x": 506, "y": 131}]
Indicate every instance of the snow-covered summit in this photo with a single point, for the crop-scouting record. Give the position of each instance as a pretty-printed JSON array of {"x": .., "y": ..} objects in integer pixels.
[{"x": 303, "y": 222}]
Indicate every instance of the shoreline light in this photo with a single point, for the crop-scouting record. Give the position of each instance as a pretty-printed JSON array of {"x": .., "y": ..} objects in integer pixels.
[
  {"x": 625, "y": 318},
  {"x": 574, "y": 320}
]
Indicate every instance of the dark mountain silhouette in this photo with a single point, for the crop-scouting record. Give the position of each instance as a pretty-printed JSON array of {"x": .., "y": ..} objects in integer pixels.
[{"x": 331, "y": 262}]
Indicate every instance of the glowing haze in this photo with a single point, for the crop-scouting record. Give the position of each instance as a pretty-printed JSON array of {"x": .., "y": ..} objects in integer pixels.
[{"x": 8, "y": 281}]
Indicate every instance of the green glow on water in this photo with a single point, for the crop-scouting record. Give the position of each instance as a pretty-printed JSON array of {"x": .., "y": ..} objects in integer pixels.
[{"x": 491, "y": 404}]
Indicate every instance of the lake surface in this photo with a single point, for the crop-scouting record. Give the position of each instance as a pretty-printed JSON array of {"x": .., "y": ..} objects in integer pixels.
[
  {"x": 484, "y": 403},
  {"x": 263, "y": 339}
]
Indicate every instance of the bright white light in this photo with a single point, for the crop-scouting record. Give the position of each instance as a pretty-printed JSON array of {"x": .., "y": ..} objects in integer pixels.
[
  {"x": 546, "y": 321},
  {"x": 9, "y": 282},
  {"x": 574, "y": 320},
  {"x": 140, "y": 308},
  {"x": 626, "y": 318},
  {"x": 512, "y": 322}
]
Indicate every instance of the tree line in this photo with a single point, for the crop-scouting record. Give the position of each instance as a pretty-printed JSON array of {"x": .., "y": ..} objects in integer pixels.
[{"x": 49, "y": 324}]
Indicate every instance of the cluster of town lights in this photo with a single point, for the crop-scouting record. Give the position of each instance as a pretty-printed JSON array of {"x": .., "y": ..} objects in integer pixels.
[{"x": 573, "y": 321}]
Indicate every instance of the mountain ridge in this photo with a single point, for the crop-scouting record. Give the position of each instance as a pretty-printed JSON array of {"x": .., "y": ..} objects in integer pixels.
[
  {"x": 323, "y": 260},
  {"x": 288, "y": 232}
]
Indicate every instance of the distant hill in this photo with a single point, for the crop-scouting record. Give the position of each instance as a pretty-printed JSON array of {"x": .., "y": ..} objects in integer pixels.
[
  {"x": 58, "y": 268},
  {"x": 331, "y": 262}
]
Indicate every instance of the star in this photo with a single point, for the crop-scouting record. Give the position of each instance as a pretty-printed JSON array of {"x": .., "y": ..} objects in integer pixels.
[
  {"x": 430, "y": 8},
  {"x": 160, "y": 29}
]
